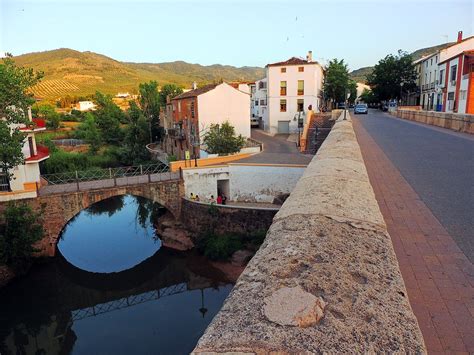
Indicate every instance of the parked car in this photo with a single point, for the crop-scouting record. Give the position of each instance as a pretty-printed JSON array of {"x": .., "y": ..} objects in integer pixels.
[
  {"x": 254, "y": 122},
  {"x": 361, "y": 108}
]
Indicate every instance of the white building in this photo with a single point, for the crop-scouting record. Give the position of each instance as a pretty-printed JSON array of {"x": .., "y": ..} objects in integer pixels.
[
  {"x": 85, "y": 106},
  {"x": 259, "y": 100},
  {"x": 430, "y": 97},
  {"x": 292, "y": 86},
  {"x": 193, "y": 112},
  {"x": 26, "y": 177},
  {"x": 456, "y": 70}
]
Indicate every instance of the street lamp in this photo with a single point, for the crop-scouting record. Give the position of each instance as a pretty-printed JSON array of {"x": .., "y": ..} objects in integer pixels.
[
  {"x": 401, "y": 87},
  {"x": 348, "y": 93}
]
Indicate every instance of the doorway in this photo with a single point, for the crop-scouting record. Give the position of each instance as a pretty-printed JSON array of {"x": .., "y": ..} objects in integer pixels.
[{"x": 223, "y": 188}]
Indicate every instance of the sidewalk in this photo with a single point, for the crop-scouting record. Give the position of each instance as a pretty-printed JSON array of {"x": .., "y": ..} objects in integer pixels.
[{"x": 438, "y": 276}]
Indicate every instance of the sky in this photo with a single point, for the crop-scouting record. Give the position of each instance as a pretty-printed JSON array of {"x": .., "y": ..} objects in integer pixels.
[{"x": 239, "y": 33}]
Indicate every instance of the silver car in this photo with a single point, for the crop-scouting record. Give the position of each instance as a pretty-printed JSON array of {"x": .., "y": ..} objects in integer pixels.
[{"x": 361, "y": 108}]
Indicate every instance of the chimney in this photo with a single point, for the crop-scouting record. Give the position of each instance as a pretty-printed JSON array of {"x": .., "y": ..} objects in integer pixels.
[
  {"x": 459, "y": 36},
  {"x": 195, "y": 86},
  {"x": 309, "y": 57}
]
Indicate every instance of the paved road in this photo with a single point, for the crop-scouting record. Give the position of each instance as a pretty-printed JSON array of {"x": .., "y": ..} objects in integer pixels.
[
  {"x": 438, "y": 164},
  {"x": 276, "y": 150}
]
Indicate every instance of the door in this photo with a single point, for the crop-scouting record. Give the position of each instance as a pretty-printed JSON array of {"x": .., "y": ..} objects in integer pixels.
[
  {"x": 223, "y": 188},
  {"x": 30, "y": 143},
  {"x": 283, "y": 127}
]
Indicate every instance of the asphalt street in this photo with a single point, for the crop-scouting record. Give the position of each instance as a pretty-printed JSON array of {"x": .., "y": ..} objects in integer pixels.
[{"x": 439, "y": 166}]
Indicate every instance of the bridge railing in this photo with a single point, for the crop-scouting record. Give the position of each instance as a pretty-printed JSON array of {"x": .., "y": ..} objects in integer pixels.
[{"x": 105, "y": 178}]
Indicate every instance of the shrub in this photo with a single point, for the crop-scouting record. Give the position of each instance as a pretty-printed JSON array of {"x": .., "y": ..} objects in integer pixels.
[
  {"x": 219, "y": 247},
  {"x": 18, "y": 236}
]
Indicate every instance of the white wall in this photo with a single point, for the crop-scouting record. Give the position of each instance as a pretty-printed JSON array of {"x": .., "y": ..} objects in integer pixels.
[
  {"x": 224, "y": 103},
  {"x": 247, "y": 182},
  {"x": 313, "y": 81},
  {"x": 203, "y": 181}
]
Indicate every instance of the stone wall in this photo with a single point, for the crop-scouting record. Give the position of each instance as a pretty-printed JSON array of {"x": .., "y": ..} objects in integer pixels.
[
  {"x": 58, "y": 209},
  {"x": 454, "y": 121},
  {"x": 326, "y": 279},
  {"x": 197, "y": 218}
]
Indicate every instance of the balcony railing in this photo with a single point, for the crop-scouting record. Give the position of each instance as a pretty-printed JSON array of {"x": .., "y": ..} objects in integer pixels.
[{"x": 37, "y": 124}]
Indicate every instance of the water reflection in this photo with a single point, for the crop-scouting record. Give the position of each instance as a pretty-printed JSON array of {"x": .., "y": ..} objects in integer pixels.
[
  {"x": 112, "y": 235},
  {"x": 160, "y": 306}
]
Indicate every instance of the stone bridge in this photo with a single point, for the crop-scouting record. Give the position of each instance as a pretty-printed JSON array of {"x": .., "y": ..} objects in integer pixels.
[{"x": 59, "y": 207}]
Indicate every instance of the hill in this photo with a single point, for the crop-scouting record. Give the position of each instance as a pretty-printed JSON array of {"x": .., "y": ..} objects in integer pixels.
[
  {"x": 70, "y": 72},
  {"x": 360, "y": 75}
]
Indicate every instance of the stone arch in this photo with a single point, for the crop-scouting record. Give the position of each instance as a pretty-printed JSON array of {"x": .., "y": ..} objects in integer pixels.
[{"x": 59, "y": 209}]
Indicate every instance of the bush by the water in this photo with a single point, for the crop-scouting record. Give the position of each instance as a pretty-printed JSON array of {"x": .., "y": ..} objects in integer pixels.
[
  {"x": 19, "y": 231},
  {"x": 219, "y": 247}
]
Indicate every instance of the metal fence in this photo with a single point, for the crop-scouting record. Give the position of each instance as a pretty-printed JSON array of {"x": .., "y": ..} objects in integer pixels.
[{"x": 105, "y": 178}]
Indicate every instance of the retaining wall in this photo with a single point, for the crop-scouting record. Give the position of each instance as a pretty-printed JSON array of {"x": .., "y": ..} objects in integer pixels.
[
  {"x": 454, "y": 121},
  {"x": 326, "y": 279},
  {"x": 198, "y": 218}
]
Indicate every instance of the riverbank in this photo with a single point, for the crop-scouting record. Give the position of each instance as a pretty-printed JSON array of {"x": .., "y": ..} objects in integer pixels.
[{"x": 6, "y": 275}]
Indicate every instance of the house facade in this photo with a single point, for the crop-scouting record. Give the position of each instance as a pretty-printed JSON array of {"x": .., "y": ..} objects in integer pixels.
[
  {"x": 26, "y": 177},
  {"x": 259, "y": 100},
  {"x": 446, "y": 78},
  {"x": 190, "y": 115},
  {"x": 292, "y": 86}
]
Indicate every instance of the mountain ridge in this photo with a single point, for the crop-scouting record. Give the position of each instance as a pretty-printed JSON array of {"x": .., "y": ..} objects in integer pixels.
[{"x": 75, "y": 73}]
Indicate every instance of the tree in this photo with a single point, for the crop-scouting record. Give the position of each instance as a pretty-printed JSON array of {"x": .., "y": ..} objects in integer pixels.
[
  {"x": 352, "y": 87},
  {"x": 136, "y": 136},
  {"x": 149, "y": 100},
  {"x": 169, "y": 90},
  {"x": 50, "y": 115},
  {"x": 22, "y": 229},
  {"x": 392, "y": 75},
  {"x": 336, "y": 80},
  {"x": 222, "y": 140},
  {"x": 108, "y": 117},
  {"x": 15, "y": 102},
  {"x": 368, "y": 96},
  {"x": 89, "y": 131}
]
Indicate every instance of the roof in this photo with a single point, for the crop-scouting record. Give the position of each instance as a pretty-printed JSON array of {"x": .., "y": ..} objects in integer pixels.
[
  {"x": 291, "y": 61},
  {"x": 196, "y": 92}
]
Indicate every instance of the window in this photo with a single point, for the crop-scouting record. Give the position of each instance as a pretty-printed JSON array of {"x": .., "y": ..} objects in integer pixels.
[
  {"x": 462, "y": 95},
  {"x": 282, "y": 105},
  {"x": 441, "y": 76},
  {"x": 192, "y": 109},
  {"x": 4, "y": 182},
  {"x": 301, "y": 69},
  {"x": 300, "y": 87},
  {"x": 454, "y": 69},
  {"x": 263, "y": 103},
  {"x": 283, "y": 88},
  {"x": 262, "y": 85},
  {"x": 436, "y": 60},
  {"x": 300, "y": 104},
  {"x": 283, "y": 70},
  {"x": 256, "y": 102},
  {"x": 431, "y": 61},
  {"x": 179, "y": 106}
]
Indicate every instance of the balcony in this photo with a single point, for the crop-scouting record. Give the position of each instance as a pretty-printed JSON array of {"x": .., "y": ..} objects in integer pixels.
[
  {"x": 42, "y": 153},
  {"x": 37, "y": 124}
]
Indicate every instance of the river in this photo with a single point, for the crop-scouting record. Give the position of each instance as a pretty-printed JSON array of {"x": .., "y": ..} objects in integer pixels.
[{"x": 112, "y": 288}]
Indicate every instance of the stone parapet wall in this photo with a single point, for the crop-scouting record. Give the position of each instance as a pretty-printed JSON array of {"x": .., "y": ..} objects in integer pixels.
[
  {"x": 198, "y": 218},
  {"x": 326, "y": 279},
  {"x": 454, "y": 121}
]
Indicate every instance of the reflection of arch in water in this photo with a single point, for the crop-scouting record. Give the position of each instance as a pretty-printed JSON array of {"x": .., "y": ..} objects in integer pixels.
[
  {"x": 59, "y": 209},
  {"x": 66, "y": 293},
  {"x": 148, "y": 210}
]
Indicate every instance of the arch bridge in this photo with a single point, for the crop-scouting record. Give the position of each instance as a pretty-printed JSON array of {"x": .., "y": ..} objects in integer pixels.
[{"x": 62, "y": 196}]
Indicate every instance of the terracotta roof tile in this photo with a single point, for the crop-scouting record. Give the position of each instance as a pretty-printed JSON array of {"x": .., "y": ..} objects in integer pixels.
[
  {"x": 196, "y": 92},
  {"x": 291, "y": 61}
]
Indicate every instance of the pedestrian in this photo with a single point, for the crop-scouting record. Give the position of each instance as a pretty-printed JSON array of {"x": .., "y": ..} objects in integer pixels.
[
  {"x": 213, "y": 200},
  {"x": 196, "y": 198},
  {"x": 219, "y": 200},
  {"x": 224, "y": 199}
]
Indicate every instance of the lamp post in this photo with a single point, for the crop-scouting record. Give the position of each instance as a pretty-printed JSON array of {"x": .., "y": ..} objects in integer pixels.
[{"x": 401, "y": 87}]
